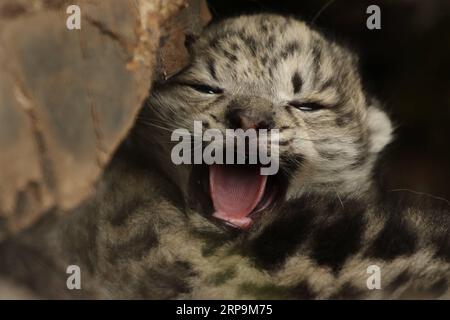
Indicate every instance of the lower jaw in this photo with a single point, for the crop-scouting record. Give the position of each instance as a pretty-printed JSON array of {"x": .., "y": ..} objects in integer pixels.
[
  {"x": 240, "y": 223},
  {"x": 200, "y": 200}
]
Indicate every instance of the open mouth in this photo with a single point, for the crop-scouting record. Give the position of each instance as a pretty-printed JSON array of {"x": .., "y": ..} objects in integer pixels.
[{"x": 238, "y": 195}]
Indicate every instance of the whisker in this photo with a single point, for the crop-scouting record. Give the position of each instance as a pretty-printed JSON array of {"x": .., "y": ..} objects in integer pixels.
[
  {"x": 422, "y": 194},
  {"x": 168, "y": 129},
  {"x": 340, "y": 200},
  {"x": 324, "y": 7}
]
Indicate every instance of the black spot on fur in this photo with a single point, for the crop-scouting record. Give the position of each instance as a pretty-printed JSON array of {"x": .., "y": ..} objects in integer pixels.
[
  {"x": 230, "y": 56},
  {"x": 264, "y": 27},
  {"x": 271, "y": 72},
  {"x": 214, "y": 117},
  {"x": 166, "y": 281},
  {"x": 296, "y": 82},
  {"x": 134, "y": 248},
  {"x": 290, "y": 49},
  {"x": 125, "y": 211},
  {"x": 281, "y": 237},
  {"x": 439, "y": 287},
  {"x": 344, "y": 119},
  {"x": 214, "y": 43},
  {"x": 251, "y": 43},
  {"x": 396, "y": 239},
  {"x": 285, "y": 142},
  {"x": 316, "y": 51},
  {"x": 273, "y": 62},
  {"x": 271, "y": 42},
  {"x": 301, "y": 291},
  {"x": 264, "y": 59},
  {"x": 399, "y": 280},
  {"x": 326, "y": 85},
  {"x": 328, "y": 155},
  {"x": 334, "y": 243},
  {"x": 212, "y": 69},
  {"x": 223, "y": 276},
  {"x": 360, "y": 160},
  {"x": 434, "y": 220}
]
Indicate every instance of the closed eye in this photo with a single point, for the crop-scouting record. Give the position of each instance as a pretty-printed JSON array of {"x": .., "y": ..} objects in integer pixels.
[
  {"x": 307, "y": 106},
  {"x": 203, "y": 88}
]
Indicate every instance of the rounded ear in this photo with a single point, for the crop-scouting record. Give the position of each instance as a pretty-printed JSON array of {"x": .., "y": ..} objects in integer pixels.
[{"x": 380, "y": 127}]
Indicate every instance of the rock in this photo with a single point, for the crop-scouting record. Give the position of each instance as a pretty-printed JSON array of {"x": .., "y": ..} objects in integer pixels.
[{"x": 69, "y": 97}]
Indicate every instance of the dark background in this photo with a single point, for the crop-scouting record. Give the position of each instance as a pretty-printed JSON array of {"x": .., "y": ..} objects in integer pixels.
[{"x": 406, "y": 65}]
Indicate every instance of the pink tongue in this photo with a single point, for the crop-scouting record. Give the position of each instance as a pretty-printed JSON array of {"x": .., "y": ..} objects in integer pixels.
[{"x": 235, "y": 191}]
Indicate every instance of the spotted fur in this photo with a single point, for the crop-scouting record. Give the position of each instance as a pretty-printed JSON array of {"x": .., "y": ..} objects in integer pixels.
[{"x": 145, "y": 233}]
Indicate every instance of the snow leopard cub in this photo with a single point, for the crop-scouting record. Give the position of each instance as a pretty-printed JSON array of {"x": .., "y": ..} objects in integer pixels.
[
  {"x": 321, "y": 222},
  {"x": 312, "y": 231}
]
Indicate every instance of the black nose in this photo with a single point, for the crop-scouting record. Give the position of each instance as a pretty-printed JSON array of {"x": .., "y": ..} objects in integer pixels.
[
  {"x": 239, "y": 119},
  {"x": 246, "y": 112}
]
